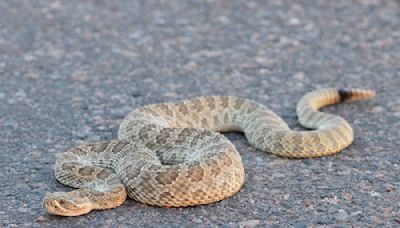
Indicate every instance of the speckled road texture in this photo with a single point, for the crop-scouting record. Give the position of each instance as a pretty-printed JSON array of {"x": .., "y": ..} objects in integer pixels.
[{"x": 71, "y": 70}]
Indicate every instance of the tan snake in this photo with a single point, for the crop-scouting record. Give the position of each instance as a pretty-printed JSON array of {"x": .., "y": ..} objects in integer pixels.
[{"x": 171, "y": 154}]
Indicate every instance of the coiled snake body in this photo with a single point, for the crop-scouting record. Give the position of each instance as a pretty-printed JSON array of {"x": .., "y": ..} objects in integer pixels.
[{"x": 171, "y": 154}]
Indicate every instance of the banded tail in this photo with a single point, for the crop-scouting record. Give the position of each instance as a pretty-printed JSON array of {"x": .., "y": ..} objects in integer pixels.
[{"x": 331, "y": 133}]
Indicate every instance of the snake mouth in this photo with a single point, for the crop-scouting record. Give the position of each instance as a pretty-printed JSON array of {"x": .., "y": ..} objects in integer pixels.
[{"x": 58, "y": 205}]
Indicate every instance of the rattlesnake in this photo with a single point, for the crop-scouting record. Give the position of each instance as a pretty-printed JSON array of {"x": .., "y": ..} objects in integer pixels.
[{"x": 171, "y": 154}]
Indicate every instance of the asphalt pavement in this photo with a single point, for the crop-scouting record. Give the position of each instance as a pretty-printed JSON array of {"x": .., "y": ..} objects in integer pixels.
[{"x": 71, "y": 70}]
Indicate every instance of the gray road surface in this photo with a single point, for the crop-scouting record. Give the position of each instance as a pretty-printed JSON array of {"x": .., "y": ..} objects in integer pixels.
[{"x": 71, "y": 70}]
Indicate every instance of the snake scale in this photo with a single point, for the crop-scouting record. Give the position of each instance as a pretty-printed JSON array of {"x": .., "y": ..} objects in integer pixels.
[{"x": 171, "y": 154}]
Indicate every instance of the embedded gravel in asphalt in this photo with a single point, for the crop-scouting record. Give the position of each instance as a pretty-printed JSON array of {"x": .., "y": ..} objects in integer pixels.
[{"x": 71, "y": 70}]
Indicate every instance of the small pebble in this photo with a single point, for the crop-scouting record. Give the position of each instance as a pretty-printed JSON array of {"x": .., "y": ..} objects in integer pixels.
[
  {"x": 41, "y": 219},
  {"x": 341, "y": 215},
  {"x": 248, "y": 223}
]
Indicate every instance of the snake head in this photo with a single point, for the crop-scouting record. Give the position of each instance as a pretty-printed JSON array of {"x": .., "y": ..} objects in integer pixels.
[{"x": 66, "y": 204}]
